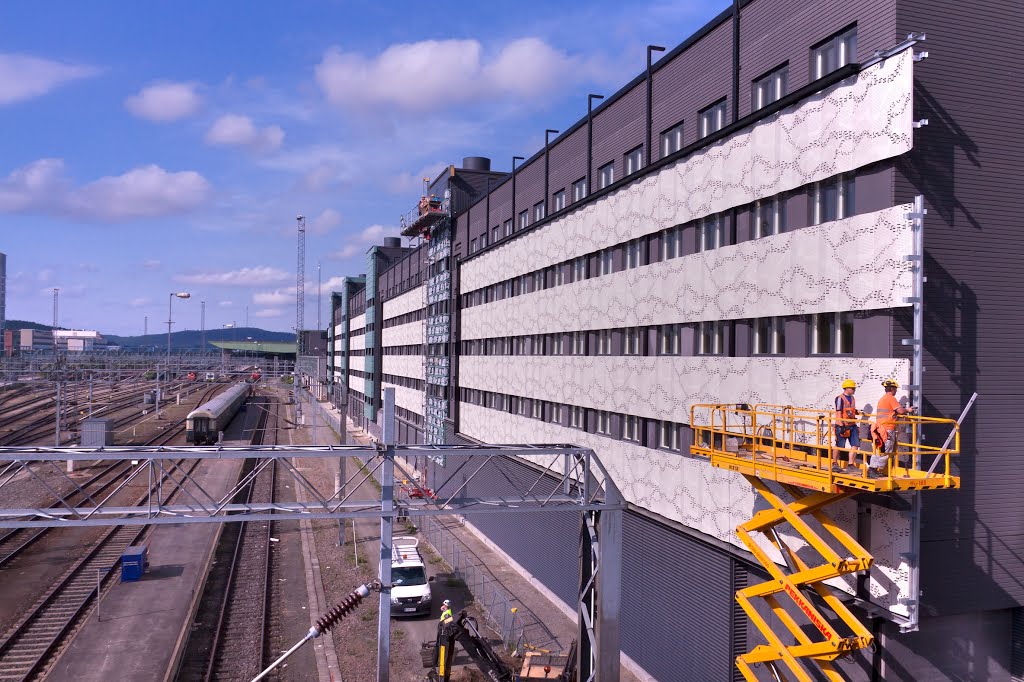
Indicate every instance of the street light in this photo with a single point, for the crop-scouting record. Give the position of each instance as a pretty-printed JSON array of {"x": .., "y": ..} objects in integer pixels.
[{"x": 170, "y": 300}]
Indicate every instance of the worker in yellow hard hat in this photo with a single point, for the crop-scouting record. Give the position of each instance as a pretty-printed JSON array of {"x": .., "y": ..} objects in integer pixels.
[
  {"x": 847, "y": 432},
  {"x": 884, "y": 432}
]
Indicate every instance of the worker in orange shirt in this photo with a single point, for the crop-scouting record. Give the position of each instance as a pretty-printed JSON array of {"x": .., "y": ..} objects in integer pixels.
[
  {"x": 847, "y": 431},
  {"x": 885, "y": 431}
]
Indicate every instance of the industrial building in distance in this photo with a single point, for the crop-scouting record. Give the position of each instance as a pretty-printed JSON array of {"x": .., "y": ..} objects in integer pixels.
[{"x": 741, "y": 223}]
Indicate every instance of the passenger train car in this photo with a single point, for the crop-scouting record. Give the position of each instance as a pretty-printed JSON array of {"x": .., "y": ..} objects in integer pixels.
[{"x": 204, "y": 423}]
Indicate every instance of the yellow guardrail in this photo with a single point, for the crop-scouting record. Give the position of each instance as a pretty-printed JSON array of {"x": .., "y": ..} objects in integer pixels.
[{"x": 791, "y": 438}]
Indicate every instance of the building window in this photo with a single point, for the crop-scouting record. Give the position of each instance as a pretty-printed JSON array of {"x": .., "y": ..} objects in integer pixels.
[
  {"x": 668, "y": 436},
  {"x": 606, "y": 175},
  {"x": 672, "y": 140},
  {"x": 524, "y": 219},
  {"x": 579, "y": 189},
  {"x": 834, "y": 53},
  {"x": 710, "y": 233},
  {"x": 483, "y": 241},
  {"x": 631, "y": 428},
  {"x": 604, "y": 422},
  {"x": 560, "y": 274},
  {"x": 472, "y": 246},
  {"x": 671, "y": 339},
  {"x": 559, "y": 200},
  {"x": 558, "y": 349},
  {"x": 537, "y": 409},
  {"x": 672, "y": 243},
  {"x": 509, "y": 288},
  {"x": 712, "y": 119},
  {"x": 606, "y": 262},
  {"x": 769, "y": 88},
  {"x": 508, "y": 228},
  {"x": 522, "y": 406},
  {"x": 632, "y": 341},
  {"x": 556, "y": 414},
  {"x": 604, "y": 342},
  {"x": 506, "y": 403},
  {"x": 577, "y": 418},
  {"x": 579, "y": 343},
  {"x": 633, "y": 160},
  {"x": 833, "y": 199},
  {"x": 769, "y": 336},
  {"x": 832, "y": 333},
  {"x": 538, "y": 212},
  {"x": 709, "y": 338},
  {"x": 769, "y": 217},
  {"x": 633, "y": 251},
  {"x": 495, "y": 234},
  {"x": 579, "y": 269}
]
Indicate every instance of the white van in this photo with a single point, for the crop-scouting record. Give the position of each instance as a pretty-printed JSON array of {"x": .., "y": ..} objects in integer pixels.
[{"x": 410, "y": 586}]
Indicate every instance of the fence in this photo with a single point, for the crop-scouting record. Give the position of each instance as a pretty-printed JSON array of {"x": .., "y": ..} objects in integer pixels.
[{"x": 494, "y": 602}]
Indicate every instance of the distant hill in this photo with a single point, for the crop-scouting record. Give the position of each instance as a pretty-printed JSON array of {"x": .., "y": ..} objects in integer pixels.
[
  {"x": 192, "y": 338},
  {"x": 187, "y": 339}
]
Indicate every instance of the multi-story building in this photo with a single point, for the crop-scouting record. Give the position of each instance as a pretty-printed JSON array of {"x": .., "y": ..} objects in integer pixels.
[
  {"x": 34, "y": 340},
  {"x": 77, "y": 340},
  {"x": 742, "y": 223}
]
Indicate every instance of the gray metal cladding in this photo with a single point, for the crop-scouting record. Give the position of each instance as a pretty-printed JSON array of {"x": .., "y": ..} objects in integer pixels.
[
  {"x": 676, "y": 603},
  {"x": 777, "y": 31},
  {"x": 962, "y": 161},
  {"x": 619, "y": 128},
  {"x": 696, "y": 78},
  {"x": 1017, "y": 648},
  {"x": 568, "y": 162}
]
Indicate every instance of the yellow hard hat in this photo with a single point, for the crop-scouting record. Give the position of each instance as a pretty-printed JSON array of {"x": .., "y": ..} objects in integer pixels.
[
  {"x": 890, "y": 383},
  {"x": 849, "y": 383}
]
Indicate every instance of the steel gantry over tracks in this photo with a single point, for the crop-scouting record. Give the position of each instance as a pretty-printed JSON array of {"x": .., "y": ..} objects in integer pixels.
[
  {"x": 785, "y": 451},
  {"x": 485, "y": 479}
]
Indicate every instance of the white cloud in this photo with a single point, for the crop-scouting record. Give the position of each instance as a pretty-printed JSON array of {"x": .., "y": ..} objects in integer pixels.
[
  {"x": 243, "y": 277},
  {"x": 406, "y": 182},
  {"x": 267, "y": 312},
  {"x": 45, "y": 275},
  {"x": 225, "y": 304},
  {"x": 234, "y": 130},
  {"x": 23, "y": 77},
  {"x": 144, "y": 192},
  {"x": 151, "y": 264},
  {"x": 139, "y": 302},
  {"x": 404, "y": 76},
  {"x": 162, "y": 102},
  {"x": 325, "y": 222},
  {"x": 361, "y": 242},
  {"x": 276, "y": 297}
]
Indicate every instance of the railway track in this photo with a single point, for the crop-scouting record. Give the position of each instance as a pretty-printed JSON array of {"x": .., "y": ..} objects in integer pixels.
[
  {"x": 34, "y": 642},
  {"x": 228, "y": 640}
]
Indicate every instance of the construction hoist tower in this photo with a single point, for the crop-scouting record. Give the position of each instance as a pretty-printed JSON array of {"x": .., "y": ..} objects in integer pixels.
[{"x": 786, "y": 454}]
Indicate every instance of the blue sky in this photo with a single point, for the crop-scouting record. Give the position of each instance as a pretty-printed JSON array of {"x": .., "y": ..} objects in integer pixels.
[{"x": 168, "y": 146}]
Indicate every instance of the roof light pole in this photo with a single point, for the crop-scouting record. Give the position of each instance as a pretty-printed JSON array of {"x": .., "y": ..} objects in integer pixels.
[
  {"x": 514, "y": 159},
  {"x": 488, "y": 209},
  {"x": 547, "y": 146},
  {"x": 170, "y": 301},
  {"x": 650, "y": 98},
  {"x": 590, "y": 137}
]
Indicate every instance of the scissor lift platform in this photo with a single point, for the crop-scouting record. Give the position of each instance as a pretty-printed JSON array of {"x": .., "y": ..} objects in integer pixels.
[{"x": 795, "y": 448}]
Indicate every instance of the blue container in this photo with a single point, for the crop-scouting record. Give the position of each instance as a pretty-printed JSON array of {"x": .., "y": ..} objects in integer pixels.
[{"x": 134, "y": 562}]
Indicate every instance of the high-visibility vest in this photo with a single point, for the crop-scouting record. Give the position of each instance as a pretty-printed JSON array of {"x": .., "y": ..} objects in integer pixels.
[
  {"x": 846, "y": 409},
  {"x": 446, "y": 616}
]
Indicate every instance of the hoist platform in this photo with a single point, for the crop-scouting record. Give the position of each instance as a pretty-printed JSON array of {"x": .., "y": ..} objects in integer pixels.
[{"x": 795, "y": 448}]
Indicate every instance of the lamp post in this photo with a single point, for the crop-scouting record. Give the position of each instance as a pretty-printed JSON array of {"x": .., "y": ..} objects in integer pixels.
[
  {"x": 170, "y": 301},
  {"x": 547, "y": 150},
  {"x": 651, "y": 49},
  {"x": 489, "y": 181},
  {"x": 224, "y": 352},
  {"x": 590, "y": 138}
]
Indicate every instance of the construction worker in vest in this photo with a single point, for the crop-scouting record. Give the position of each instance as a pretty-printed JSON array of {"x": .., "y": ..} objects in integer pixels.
[
  {"x": 847, "y": 432},
  {"x": 885, "y": 431},
  {"x": 446, "y": 613}
]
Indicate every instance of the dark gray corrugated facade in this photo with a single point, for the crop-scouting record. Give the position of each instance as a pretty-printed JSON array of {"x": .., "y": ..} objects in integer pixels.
[{"x": 967, "y": 163}]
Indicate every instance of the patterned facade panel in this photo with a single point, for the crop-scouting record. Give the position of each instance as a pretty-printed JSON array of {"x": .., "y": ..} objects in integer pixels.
[
  {"x": 664, "y": 387},
  {"x": 439, "y": 329},
  {"x": 692, "y": 492},
  {"x": 400, "y": 305},
  {"x": 406, "y": 398},
  {"x": 858, "y": 121},
  {"x": 439, "y": 287},
  {"x": 357, "y": 342},
  {"x": 358, "y": 322},
  {"x": 402, "y": 335},
  {"x": 437, "y": 369},
  {"x": 357, "y": 362},
  {"x": 404, "y": 365},
  {"x": 850, "y": 264}
]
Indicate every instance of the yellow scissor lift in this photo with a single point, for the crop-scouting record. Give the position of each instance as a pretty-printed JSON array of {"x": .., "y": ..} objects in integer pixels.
[{"x": 795, "y": 447}]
